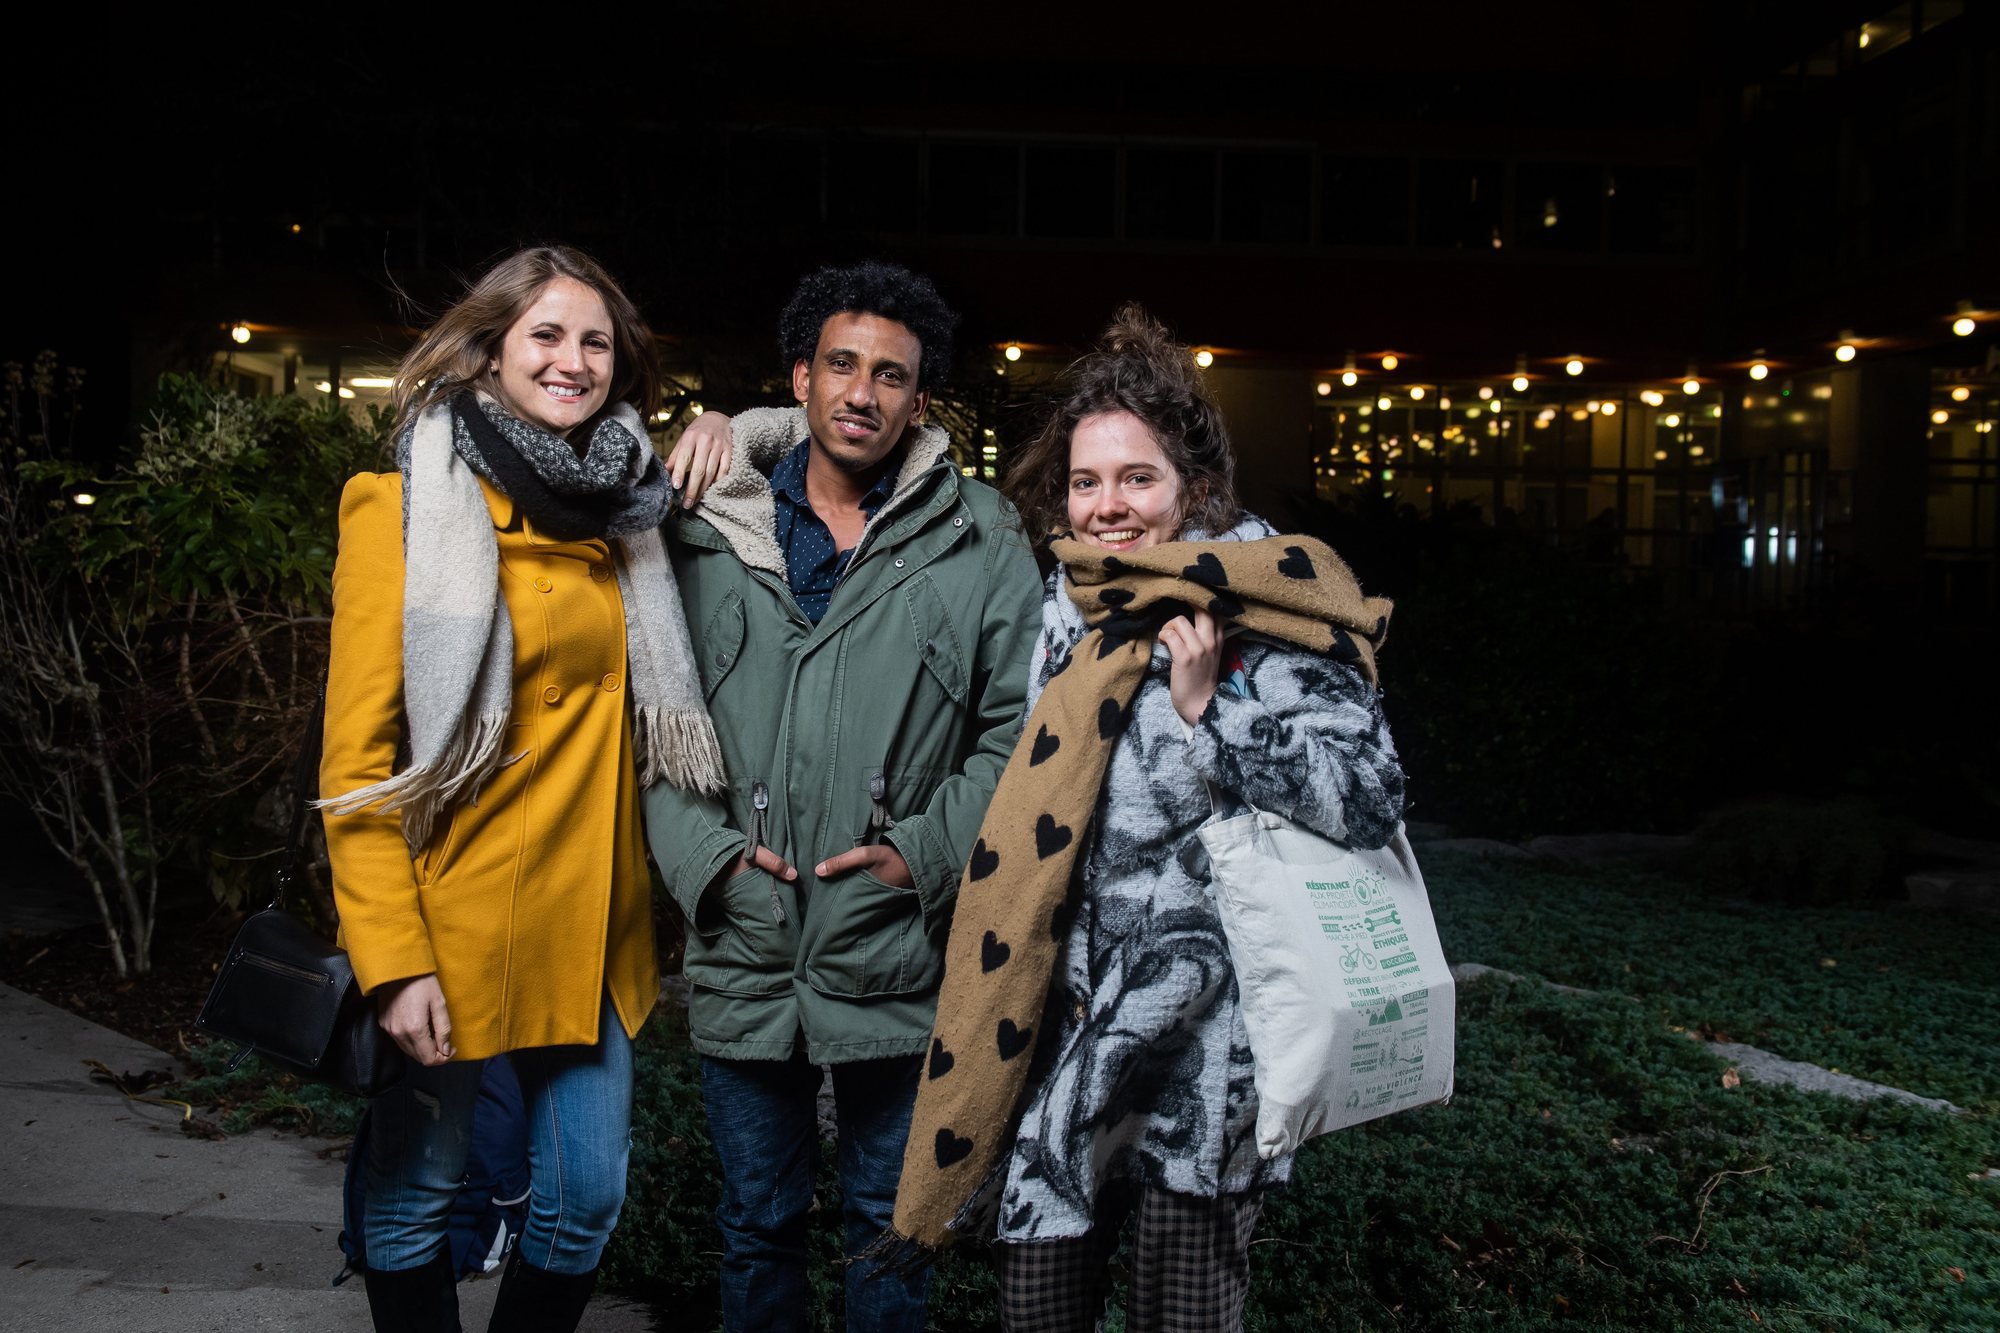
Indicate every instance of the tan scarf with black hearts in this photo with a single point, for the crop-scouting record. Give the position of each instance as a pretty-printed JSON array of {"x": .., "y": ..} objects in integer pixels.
[{"x": 1014, "y": 899}]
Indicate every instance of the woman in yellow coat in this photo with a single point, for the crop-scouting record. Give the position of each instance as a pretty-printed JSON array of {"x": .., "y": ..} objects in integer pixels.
[{"x": 509, "y": 660}]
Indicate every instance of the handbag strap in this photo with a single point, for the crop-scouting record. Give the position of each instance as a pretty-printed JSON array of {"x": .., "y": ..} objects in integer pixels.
[{"x": 305, "y": 785}]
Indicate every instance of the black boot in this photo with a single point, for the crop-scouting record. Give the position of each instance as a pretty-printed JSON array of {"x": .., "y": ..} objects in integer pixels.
[
  {"x": 416, "y": 1300},
  {"x": 534, "y": 1300}
]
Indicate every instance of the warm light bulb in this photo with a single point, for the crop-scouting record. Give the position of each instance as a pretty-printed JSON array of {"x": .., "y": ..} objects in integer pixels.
[
  {"x": 296, "y": 229},
  {"x": 1203, "y": 357},
  {"x": 1349, "y": 378},
  {"x": 1012, "y": 352},
  {"x": 1573, "y": 367},
  {"x": 1844, "y": 352},
  {"x": 1960, "y": 394},
  {"x": 1390, "y": 362},
  {"x": 1383, "y": 402},
  {"x": 1758, "y": 370},
  {"x": 1671, "y": 420},
  {"x": 1691, "y": 387},
  {"x": 1485, "y": 392},
  {"x": 84, "y": 498},
  {"x": 1939, "y": 417},
  {"x": 1652, "y": 397},
  {"x": 1416, "y": 393},
  {"x": 1323, "y": 388},
  {"x": 240, "y": 334},
  {"x": 1609, "y": 409},
  {"x": 1963, "y": 326},
  {"x": 1445, "y": 403},
  {"x": 1493, "y": 407},
  {"x": 1520, "y": 384},
  {"x": 1660, "y": 455},
  {"x": 1592, "y": 405},
  {"x": 696, "y": 408},
  {"x": 1696, "y": 451}
]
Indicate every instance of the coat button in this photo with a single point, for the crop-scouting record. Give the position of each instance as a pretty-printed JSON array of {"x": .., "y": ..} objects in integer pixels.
[
  {"x": 958, "y": 522},
  {"x": 722, "y": 659},
  {"x": 551, "y": 694},
  {"x": 611, "y": 680},
  {"x": 543, "y": 585},
  {"x": 600, "y": 573},
  {"x": 899, "y": 562}
]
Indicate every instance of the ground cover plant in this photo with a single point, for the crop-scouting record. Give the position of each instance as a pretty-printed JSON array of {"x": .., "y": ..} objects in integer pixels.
[{"x": 1599, "y": 1166}]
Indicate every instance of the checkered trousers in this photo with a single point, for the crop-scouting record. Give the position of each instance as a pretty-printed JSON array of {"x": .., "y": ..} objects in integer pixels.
[{"x": 1190, "y": 1270}]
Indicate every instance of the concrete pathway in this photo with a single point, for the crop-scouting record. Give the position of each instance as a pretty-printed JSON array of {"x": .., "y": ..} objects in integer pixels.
[{"x": 112, "y": 1219}]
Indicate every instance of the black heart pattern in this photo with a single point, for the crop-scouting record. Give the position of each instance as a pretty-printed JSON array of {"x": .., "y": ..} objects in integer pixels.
[
  {"x": 1114, "y": 566},
  {"x": 1050, "y": 837},
  {"x": 1013, "y": 1040},
  {"x": 1111, "y": 719},
  {"x": 941, "y": 1059},
  {"x": 1225, "y": 606},
  {"x": 1207, "y": 571},
  {"x": 951, "y": 1148},
  {"x": 1044, "y": 746},
  {"x": 983, "y": 862},
  {"x": 1297, "y": 564},
  {"x": 992, "y": 952},
  {"x": 1343, "y": 647},
  {"x": 1116, "y": 596}
]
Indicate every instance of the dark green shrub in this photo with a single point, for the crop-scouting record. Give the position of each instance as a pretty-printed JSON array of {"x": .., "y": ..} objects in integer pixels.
[{"x": 1799, "y": 851}]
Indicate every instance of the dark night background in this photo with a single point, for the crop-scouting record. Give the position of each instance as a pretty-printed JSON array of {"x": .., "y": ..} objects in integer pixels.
[{"x": 1661, "y": 190}]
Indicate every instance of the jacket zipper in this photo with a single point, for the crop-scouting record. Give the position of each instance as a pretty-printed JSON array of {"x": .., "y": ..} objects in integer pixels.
[{"x": 760, "y": 803}]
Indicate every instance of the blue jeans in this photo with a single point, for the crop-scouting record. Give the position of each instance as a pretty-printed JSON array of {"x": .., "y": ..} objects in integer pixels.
[
  {"x": 762, "y": 1115},
  {"x": 579, "y": 1104}
]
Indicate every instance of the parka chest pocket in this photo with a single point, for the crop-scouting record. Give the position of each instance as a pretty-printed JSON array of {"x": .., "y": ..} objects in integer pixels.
[
  {"x": 721, "y": 645},
  {"x": 937, "y": 642}
]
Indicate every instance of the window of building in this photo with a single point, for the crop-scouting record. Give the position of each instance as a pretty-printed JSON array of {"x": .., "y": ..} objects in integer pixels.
[
  {"x": 1364, "y": 200},
  {"x": 1072, "y": 191},
  {"x": 1458, "y": 204},
  {"x": 1559, "y": 206},
  {"x": 888, "y": 202},
  {"x": 1170, "y": 194},
  {"x": 1266, "y": 197},
  {"x": 1650, "y": 209},
  {"x": 975, "y": 189}
]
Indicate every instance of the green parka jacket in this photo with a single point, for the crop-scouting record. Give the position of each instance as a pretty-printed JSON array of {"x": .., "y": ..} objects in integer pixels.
[{"x": 908, "y": 692}]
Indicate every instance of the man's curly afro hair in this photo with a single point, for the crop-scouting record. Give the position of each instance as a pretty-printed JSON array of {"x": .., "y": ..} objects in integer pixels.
[{"x": 870, "y": 287}]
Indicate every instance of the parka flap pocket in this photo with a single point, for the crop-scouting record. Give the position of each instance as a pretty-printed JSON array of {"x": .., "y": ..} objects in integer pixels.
[
  {"x": 936, "y": 639},
  {"x": 721, "y": 645}
]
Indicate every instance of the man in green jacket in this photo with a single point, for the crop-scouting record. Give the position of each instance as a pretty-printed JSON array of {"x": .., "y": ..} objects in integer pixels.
[{"x": 863, "y": 617}]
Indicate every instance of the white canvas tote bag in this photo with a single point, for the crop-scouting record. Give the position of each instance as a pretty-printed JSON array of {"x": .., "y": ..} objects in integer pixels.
[{"x": 1349, "y": 1004}]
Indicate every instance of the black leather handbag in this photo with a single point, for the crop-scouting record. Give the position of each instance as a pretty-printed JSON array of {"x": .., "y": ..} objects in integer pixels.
[{"x": 288, "y": 996}]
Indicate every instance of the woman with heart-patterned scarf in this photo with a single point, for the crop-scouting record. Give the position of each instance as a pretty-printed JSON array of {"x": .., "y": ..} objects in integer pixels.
[{"x": 1188, "y": 654}]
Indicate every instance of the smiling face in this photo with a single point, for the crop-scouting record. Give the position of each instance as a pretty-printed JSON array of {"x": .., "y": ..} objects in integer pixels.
[
  {"x": 1123, "y": 493},
  {"x": 553, "y": 366},
  {"x": 860, "y": 390}
]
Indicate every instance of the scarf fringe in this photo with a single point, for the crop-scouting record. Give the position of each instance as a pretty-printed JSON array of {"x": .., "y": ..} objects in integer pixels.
[
  {"x": 679, "y": 745},
  {"x": 424, "y": 791}
]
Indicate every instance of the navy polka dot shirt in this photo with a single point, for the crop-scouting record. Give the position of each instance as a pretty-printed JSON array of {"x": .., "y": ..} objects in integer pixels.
[{"x": 812, "y": 565}]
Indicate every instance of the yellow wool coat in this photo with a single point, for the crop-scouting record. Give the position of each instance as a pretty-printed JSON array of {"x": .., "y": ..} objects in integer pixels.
[{"x": 536, "y": 902}]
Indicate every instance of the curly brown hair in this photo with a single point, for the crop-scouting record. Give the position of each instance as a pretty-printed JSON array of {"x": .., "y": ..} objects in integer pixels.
[{"x": 1137, "y": 367}]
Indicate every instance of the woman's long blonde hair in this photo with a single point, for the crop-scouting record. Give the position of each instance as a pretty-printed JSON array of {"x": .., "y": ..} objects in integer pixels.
[{"x": 455, "y": 352}]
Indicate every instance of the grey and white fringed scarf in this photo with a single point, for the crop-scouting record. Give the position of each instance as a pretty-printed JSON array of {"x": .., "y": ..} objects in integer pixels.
[{"x": 458, "y": 640}]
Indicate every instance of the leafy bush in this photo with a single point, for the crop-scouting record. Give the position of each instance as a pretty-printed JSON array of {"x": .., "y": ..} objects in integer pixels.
[
  {"x": 1530, "y": 690},
  {"x": 1795, "y": 851},
  {"x": 1584, "y": 1170},
  {"x": 165, "y": 626},
  {"x": 255, "y": 1094}
]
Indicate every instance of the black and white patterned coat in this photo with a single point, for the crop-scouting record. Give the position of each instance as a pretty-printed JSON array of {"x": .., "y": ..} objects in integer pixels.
[{"x": 1145, "y": 1074}]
